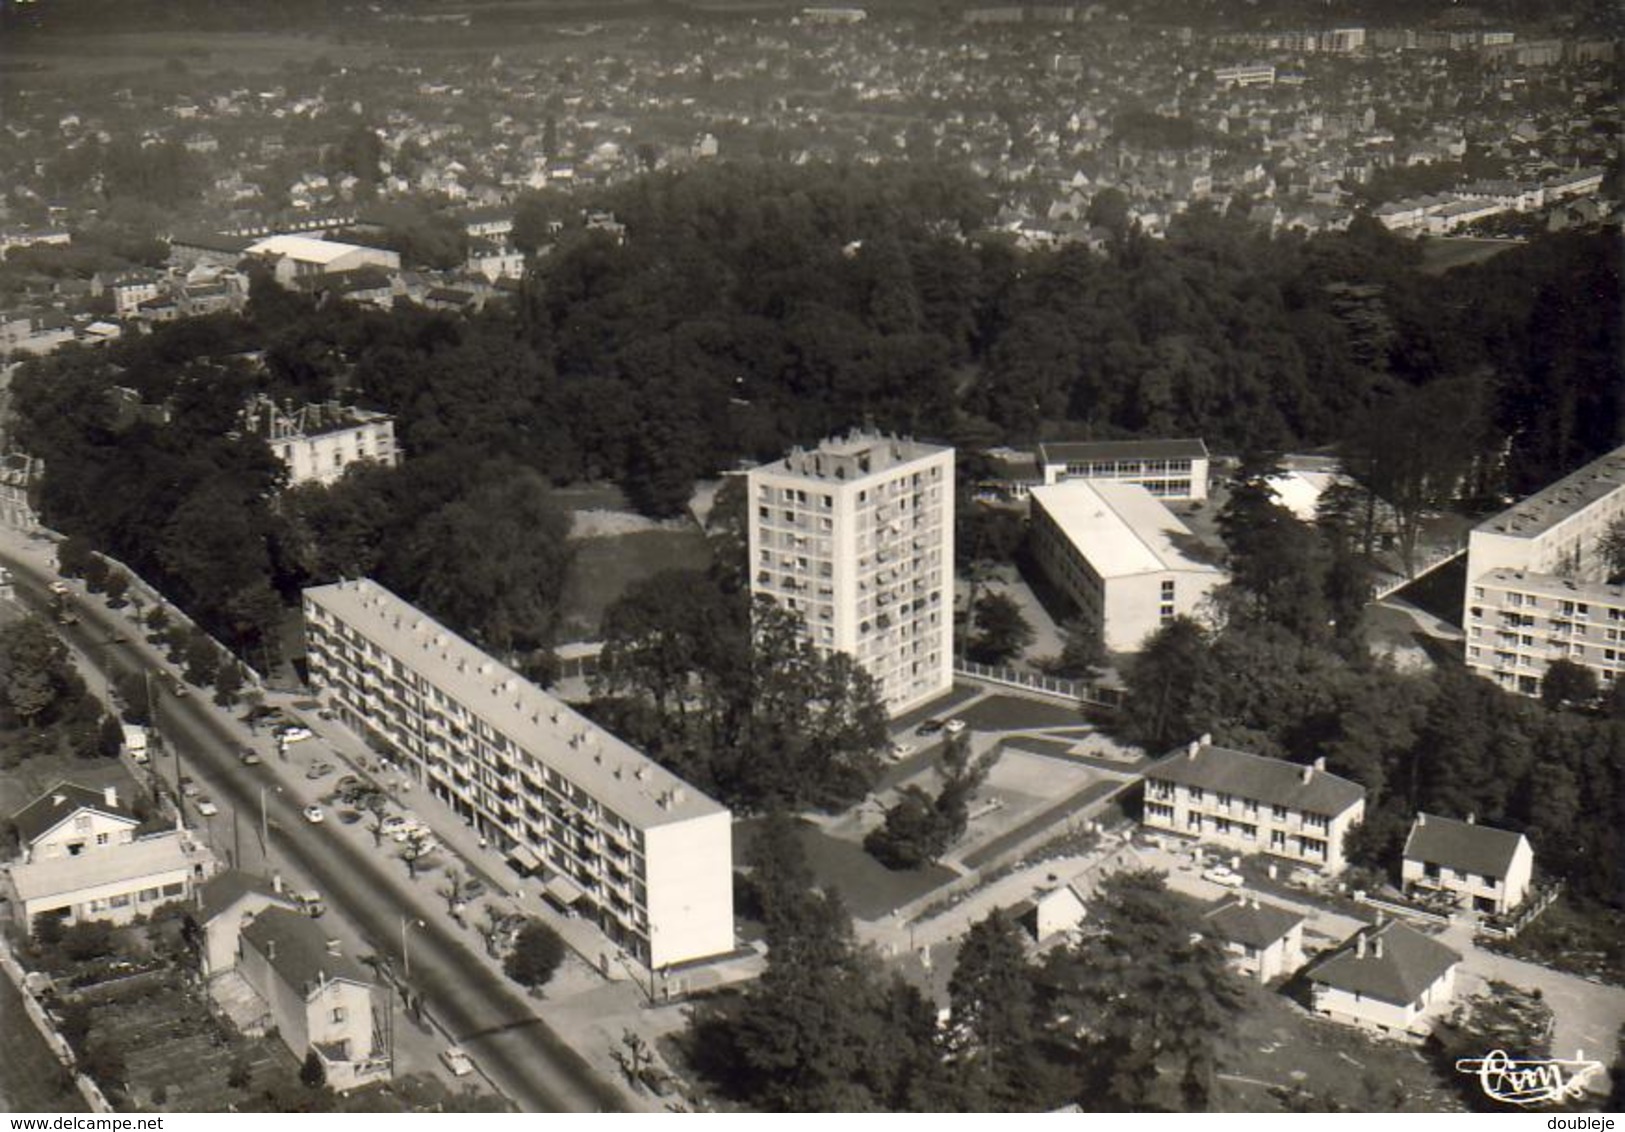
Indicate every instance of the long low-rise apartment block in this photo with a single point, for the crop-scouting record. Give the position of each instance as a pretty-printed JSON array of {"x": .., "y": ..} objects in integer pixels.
[
  {"x": 621, "y": 839},
  {"x": 1125, "y": 560},
  {"x": 1539, "y": 586},
  {"x": 1252, "y": 804},
  {"x": 1168, "y": 469}
]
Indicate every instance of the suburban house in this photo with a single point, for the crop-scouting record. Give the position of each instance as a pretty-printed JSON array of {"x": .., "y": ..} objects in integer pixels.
[
  {"x": 319, "y": 442},
  {"x": 318, "y": 998},
  {"x": 69, "y": 820},
  {"x": 1127, "y": 562},
  {"x": 1252, "y": 804},
  {"x": 1484, "y": 869},
  {"x": 118, "y": 882},
  {"x": 1263, "y": 941},
  {"x": 1050, "y": 913},
  {"x": 1388, "y": 976},
  {"x": 227, "y": 903}
]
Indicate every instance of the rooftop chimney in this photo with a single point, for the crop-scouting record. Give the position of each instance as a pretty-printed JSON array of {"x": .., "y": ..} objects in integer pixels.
[
  {"x": 1376, "y": 947},
  {"x": 1308, "y": 773},
  {"x": 110, "y": 795},
  {"x": 1472, "y": 819},
  {"x": 334, "y": 947},
  {"x": 276, "y": 883},
  {"x": 1190, "y": 751},
  {"x": 1206, "y": 740},
  {"x": 1421, "y": 819},
  {"x": 1320, "y": 763},
  {"x": 270, "y": 949},
  {"x": 1359, "y": 946}
]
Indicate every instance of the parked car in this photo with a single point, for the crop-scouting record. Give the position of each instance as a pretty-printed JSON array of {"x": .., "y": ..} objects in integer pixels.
[
  {"x": 929, "y": 727},
  {"x": 954, "y": 726},
  {"x": 410, "y": 829},
  {"x": 248, "y": 755},
  {"x": 1223, "y": 874},
  {"x": 393, "y": 824},
  {"x": 294, "y": 733},
  {"x": 314, "y": 815},
  {"x": 319, "y": 770},
  {"x": 473, "y": 888},
  {"x": 900, "y": 751},
  {"x": 207, "y": 808},
  {"x": 348, "y": 782},
  {"x": 310, "y": 903},
  {"x": 457, "y": 1062},
  {"x": 178, "y": 686},
  {"x": 189, "y": 788}
]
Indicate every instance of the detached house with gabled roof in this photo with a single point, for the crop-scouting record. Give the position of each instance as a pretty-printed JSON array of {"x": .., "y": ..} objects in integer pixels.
[
  {"x": 1388, "y": 976},
  {"x": 69, "y": 820},
  {"x": 1486, "y": 870},
  {"x": 1261, "y": 940},
  {"x": 1252, "y": 804},
  {"x": 318, "y": 998}
]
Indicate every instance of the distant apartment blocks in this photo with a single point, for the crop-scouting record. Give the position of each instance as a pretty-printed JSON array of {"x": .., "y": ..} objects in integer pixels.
[
  {"x": 1537, "y": 582},
  {"x": 856, "y": 535},
  {"x": 318, "y": 442},
  {"x": 1126, "y": 561},
  {"x": 619, "y": 838}
]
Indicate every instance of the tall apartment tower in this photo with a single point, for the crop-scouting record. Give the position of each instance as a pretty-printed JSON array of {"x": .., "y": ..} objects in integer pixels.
[{"x": 857, "y": 535}]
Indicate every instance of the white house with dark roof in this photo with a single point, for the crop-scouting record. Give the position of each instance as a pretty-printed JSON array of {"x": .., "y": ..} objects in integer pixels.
[
  {"x": 1390, "y": 977},
  {"x": 1485, "y": 869},
  {"x": 69, "y": 820},
  {"x": 1252, "y": 804},
  {"x": 318, "y": 998},
  {"x": 226, "y": 904},
  {"x": 1262, "y": 940},
  {"x": 117, "y": 883}
]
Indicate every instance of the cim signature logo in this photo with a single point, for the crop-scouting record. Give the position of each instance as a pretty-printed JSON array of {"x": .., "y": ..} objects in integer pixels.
[{"x": 1529, "y": 1081}]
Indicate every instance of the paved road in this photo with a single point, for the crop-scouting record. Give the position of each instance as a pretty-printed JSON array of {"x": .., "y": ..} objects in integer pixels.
[{"x": 525, "y": 1057}]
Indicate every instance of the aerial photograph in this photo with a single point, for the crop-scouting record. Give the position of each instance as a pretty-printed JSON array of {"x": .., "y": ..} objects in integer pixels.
[{"x": 745, "y": 557}]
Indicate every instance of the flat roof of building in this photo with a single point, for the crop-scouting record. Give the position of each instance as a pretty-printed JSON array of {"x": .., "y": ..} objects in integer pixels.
[
  {"x": 1550, "y": 585},
  {"x": 1122, "y": 528},
  {"x": 1568, "y": 496},
  {"x": 306, "y": 249},
  {"x": 1082, "y": 451},
  {"x": 851, "y": 457},
  {"x": 110, "y": 864},
  {"x": 614, "y": 772}
]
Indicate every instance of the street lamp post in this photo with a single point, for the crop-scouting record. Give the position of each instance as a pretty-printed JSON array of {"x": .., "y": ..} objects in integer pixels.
[{"x": 406, "y": 948}]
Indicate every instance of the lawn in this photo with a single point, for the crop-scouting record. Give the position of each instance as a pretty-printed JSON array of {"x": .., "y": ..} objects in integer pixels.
[
  {"x": 605, "y": 567},
  {"x": 1012, "y": 713},
  {"x": 869, "y": 889},
  {"x": 1279, "y": 1048},
  {"x": 31, "y": 1078}
]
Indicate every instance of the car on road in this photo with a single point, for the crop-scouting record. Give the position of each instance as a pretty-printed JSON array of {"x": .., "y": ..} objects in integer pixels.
[
  {"x": 248, "y": 755},
  {"x": 294, "y": 733},
  {"x": 473, "y": 888},
  {"x": 314, "y": 815},
  {"x": 178, "y": 686},
  {"x": 189, "y": 788},
  {"x": 59, "y": 588},
  {"x": 1223, "y": 874},
  {"x": 319, "y": 770},
  {"x": 310, "y": 903},
  {"x": 457, "y": 1062},
  {"x": 899, "y": 751},
  {"x": 348, "y": 782},
  {"x": 954, "y": 726},
  {"x": 929, "y": 727},
  {"x": 207, "y": 808}
]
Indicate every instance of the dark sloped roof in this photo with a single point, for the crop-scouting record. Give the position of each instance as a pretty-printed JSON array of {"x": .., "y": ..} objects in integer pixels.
[
  {"x": 1410, "y": 963},
  {"x": 224, "y": 889},
  {"x": 1254, "y": 924},
  {"x": 211, "y": 241},
  {"x": 1080, "y": 450},
  {"x": 60, "y": 803},
  {"x": 1274, "y": 782},
  {"x": 296, "y": 949},
  {"x": 1462, "y": 846}
]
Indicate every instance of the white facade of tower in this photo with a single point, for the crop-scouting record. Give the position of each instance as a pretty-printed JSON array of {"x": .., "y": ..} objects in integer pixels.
[{"x": 856, "y": 535}]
